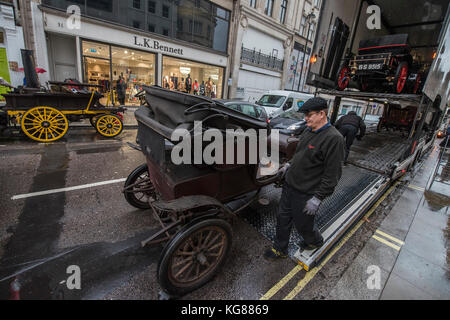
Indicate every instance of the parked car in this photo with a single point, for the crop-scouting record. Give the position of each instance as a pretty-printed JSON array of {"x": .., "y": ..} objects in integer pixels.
[
  {"x": 279, "y": 101},
  {"x": 247, "y": 108},
  {"x": 290, "y": 123}
]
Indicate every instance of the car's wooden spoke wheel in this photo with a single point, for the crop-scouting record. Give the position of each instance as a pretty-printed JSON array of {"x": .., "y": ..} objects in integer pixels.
[
  {"x": 194, "y": 256},
  {"x": 44, "y": 124},
  {"x": 109, "y": 125}
]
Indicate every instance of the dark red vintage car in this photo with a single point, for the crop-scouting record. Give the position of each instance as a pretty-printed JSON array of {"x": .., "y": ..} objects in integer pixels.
[
  {"x": 382, "y": 64},
  {"x": 194, "y": 203}
]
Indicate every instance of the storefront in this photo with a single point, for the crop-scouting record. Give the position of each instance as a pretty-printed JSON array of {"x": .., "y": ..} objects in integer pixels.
[
  {"x": 112, "y": 67},
  {"x": 107, "y": 55}
]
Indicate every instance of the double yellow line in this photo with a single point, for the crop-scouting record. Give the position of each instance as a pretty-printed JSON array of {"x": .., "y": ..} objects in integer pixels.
[
  {"x": 386, "y": 242},
  {"x": 311, "y": 274}
]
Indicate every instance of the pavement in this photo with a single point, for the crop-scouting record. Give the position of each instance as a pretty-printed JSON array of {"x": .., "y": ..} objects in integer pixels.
[{"x": 408, "y": 256}]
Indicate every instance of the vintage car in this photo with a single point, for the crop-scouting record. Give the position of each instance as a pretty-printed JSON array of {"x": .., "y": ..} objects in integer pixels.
[{"x": 382, "y": 64}]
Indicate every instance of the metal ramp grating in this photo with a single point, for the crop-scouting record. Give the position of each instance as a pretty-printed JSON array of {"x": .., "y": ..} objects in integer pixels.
[{"x": 263, "y": 218}]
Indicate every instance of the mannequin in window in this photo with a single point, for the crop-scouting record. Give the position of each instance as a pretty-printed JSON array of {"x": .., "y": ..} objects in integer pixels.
[
  {"x": 209, "y": 87},
  {"x": 121, "y": 90},
  {"x": 181, "y": 85},
  {"x": 214, "y": 91},
  {"x": 188, "y": 84},
  {"x": 202, "y": 88},
  {"x": 196, "y": 87}
]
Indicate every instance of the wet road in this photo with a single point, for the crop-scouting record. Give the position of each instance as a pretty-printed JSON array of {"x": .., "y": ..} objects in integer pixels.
[
  {"x": 98, "y": 231},
  {"x": 95, "y": 228}
]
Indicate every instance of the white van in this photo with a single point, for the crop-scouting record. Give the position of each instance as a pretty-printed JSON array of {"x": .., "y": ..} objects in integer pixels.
[{"x": 278, "y": 101}]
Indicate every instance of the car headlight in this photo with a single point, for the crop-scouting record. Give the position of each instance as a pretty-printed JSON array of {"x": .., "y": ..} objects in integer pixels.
[{"x": 293, "y": 127}]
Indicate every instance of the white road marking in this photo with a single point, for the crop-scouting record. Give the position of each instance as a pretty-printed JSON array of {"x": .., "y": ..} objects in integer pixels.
[{"x": 41, "y": 193}]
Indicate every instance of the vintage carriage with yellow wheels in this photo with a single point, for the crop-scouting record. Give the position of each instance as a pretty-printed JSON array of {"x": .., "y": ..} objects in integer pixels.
[{"x": 44, "y": 115}]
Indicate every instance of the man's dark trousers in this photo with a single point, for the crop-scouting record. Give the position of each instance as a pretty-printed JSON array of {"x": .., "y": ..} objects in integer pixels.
[
  {"x": 291, "y": 211},
  {"x": 349, "y": 132}
]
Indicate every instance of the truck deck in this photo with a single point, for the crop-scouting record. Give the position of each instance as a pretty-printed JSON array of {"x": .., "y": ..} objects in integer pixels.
[{"x": 372, "y": 163}]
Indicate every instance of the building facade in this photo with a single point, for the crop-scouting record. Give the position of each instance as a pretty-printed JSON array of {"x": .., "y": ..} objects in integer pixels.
[
  {"x": 306, "y": 19},
  {"x": 11, "y": 42},
  {"x": 168, "y": 43},
  {"x": 234, "y": 49}
]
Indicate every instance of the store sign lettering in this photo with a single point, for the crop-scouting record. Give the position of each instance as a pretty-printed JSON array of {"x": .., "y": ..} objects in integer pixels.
[{"x": 154, "y": 44}]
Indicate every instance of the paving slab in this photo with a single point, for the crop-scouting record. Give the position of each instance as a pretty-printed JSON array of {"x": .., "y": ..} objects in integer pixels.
[
  {"x": 379, "y": 254},
  {"x": 354, "y": 283},
  {"x": 428, "y": 248},
  {"x": 425, "y": 275},
  {"x": 397, "y": 223},
  {"x": 400, "y": 289}
]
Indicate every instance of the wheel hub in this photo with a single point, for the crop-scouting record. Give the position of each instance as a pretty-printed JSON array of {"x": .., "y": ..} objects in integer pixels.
[
  {"x": 45, "y": 124},
  {"x": 201, "y": 258},
  {"x": 109, "y": 125}
]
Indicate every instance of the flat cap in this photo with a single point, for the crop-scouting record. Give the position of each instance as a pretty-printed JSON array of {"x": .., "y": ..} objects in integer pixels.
[{"x": 314, "y": 104}]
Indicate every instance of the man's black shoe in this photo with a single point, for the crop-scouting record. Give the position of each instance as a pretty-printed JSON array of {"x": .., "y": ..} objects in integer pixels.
[
  {"x": 310, "y": 247},
  {"x": 273, "y": 255}
]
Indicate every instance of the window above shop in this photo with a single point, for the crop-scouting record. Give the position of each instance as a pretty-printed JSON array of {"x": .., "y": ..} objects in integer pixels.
[
  {"x": 283, "y": 11},
  {"x": 268, "y": 7},
  {"x": 201, "y": 22}
]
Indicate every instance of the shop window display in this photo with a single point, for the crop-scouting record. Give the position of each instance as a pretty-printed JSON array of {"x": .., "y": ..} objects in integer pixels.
[
  {"x": 119, "y": 71},
  {"x": 192, "y": 77}
]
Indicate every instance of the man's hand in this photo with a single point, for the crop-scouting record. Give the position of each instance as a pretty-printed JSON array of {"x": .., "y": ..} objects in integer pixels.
[
  {"x": 312, "y": 206},
  {"x": 284, "y": 171}
]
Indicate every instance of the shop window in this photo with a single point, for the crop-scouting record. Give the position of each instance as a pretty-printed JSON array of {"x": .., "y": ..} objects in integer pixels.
[
  {"x": 135, "y": 69},
  {"x": 152, "y": 7},
  {"x": 192, "y": 77},
  {"x": 165, "y": 11},
  {"x": 107, "y": 66},
  {"x": 180, "y": 24},
  {"x": 2, "y": 39},
  {"x": 136, "y": 24},
  {"x": 95, "y": 50},
  {"x": 165, "y": 32},
  {"x": 151, "y": 28}
]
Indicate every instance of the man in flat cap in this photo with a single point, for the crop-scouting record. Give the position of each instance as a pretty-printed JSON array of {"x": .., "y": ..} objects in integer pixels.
[{"x": 310, "y": 177}]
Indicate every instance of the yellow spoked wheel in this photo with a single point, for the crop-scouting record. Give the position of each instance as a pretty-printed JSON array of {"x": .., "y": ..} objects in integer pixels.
[
  {"x": 109, "y": 125},
  {"x": 44, "y": 124}
]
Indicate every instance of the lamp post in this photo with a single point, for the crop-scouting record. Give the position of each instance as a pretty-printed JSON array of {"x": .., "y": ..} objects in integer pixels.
[{"x": 309, "y": 18}]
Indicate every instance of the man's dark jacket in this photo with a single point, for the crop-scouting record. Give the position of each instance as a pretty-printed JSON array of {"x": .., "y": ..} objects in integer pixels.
[
  {"x": 354, "y": 120},
  {"x": 317, "y": 163}
]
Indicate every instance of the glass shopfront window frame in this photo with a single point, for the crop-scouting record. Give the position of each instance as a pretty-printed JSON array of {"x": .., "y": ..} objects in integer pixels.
[
  {"x": 223, "y": 69},
  {"x": 110, "y": 60}
]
